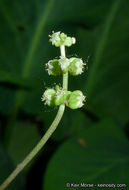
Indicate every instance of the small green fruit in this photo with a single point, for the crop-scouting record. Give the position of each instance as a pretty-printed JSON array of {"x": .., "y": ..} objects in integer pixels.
[
  {"x": 55, "y": 39},
  {"x": 76, "y": 66},
  {"x": 49, "y": 97},
  {"x": 60, "y": 97},
  {"x": 53, "y": 67},
  {"x": 69, "y": 41},
  {"x": 76, "y": 99},
  {"x": 63, "y": 37},
  {"x": 57, "y": 87},
  {"x": 73, "y": 40}
]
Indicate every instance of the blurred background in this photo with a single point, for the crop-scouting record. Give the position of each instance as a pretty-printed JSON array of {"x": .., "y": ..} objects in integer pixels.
[{"x": 90, "y": 145}]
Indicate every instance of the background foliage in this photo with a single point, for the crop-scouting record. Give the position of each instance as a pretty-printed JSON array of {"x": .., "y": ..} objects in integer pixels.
[{"x": 91, "y": 144}]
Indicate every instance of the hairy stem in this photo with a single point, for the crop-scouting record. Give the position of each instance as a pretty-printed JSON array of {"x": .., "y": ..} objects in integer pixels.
[{"x": 44, "y": 139}]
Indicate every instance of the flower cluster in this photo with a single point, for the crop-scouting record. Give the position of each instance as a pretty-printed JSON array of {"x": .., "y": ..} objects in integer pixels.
[
  {"x": 59, "y": 39},
  {"x": 75, "y": 66},
  {"x": 57, "y": 96}
]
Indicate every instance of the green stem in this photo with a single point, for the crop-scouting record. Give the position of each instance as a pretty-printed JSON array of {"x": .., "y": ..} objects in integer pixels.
[
  {"x": 65, "y": 81},
  {"x": 44, "y": 139},
  {"x": 65, "y": 76}
]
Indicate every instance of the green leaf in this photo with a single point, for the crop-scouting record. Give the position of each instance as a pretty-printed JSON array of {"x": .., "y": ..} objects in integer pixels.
[
  {"x": 15, "y": 80},
  {"x": 6, "y": 168},
  {"x": 23, "y": 138},
  {"x": 107, "y": 87},
  {"x": 99, "y": 154}
]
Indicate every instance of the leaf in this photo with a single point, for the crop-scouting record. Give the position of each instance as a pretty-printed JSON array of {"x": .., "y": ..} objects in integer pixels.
[
  {"x": 71, "y": 124},
  {"x": 107, "y": 86},
  {"x": 23, "y": 138},
  {"x": 99, "y": 154},
  {"x": 15, "y": 81},
  {"x": 6, "y": 168}
]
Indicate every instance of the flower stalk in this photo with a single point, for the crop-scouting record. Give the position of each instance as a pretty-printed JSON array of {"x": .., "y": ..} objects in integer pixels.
[{"x": 57, "y": 96}]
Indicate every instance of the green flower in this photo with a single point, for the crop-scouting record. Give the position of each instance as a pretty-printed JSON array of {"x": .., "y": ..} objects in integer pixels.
[
  {"x": 69, "y": 41},
  {"x": 59, "y": 39},
  {"x": 57, "y": 95},
  {"x": 76, "y": 99},
  {"x": 64, "y": 64},
  {"x": 60, "y": 96},
  {"x": 53, "y": 67},
  {"x": 63, "y": 37},
  {"x": 76, "y": 66},
  {"x": 49, "y": 97},
  {"x": 55, "y": 39}
]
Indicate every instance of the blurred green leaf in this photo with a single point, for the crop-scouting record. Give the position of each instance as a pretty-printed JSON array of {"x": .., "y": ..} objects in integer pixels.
[
  {"x": 99, "y": 154},
  {"x": 71, "y": 123},
  {"x": 6, "y": 167},
  {"x": 107, "y": 87},
  {"x": 15, "y": 80},
  {"x": 24, "y": 137}
]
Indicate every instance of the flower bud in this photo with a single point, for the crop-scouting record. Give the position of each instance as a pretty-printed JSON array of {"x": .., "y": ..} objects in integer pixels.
[
  {"x": 73, "y": 40},
  {"x": 49, "y": 97},
  {"x": 64, "y": 64},
  {"x": 63, "y": 38},
  {"x": 76, "y": 99},
  {"x": 55, "y": 39},
  {"x": 69, "y": 41},
  {"x": 60, "y": 97},
  {"x": 53, "y": 67},
  {"x": 59, "y": 39},
  {"x": 57, "y": 87},
  {"x": 76, "y": 66}
]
